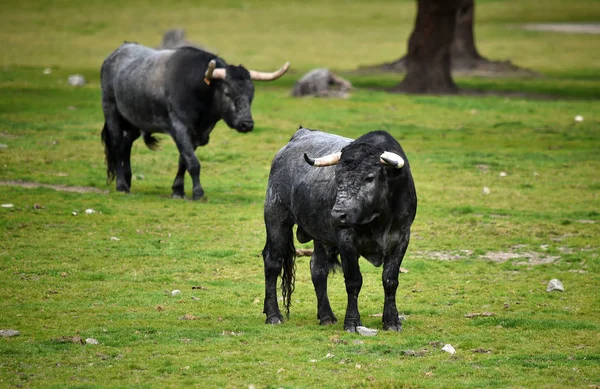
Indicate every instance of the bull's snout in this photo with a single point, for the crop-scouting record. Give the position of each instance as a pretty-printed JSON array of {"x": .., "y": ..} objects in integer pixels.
[
  {"x": 339, "y": 217},
  {"x": 246, "y": 126}
]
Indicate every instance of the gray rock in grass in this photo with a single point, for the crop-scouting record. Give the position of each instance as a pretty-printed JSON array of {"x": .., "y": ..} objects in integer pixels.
[
  {"x": 9, "y": 333},
  {"x": 555, "y": 284}
]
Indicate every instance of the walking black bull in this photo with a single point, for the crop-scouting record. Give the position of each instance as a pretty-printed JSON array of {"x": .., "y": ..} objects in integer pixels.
[
  {"x": 362, "y": 206},
  {"x": 183, "y": 93}
]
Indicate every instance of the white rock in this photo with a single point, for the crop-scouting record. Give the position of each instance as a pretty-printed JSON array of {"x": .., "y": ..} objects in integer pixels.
[
  {"x": 47, "y": 71},
  {"x": 364, "y": 331},
  {"x": 7, "y": 205},
  {"x": 175, "y": 292},
  {"x": 502, "y": 174},
  {"x": 485, "y": 190},
  {"x": 76, "y": 80},
  {"x": 329, "y": 356},
  {"x": 91, "y": 341},
  {"x": 114, "y": 238},
  {"x": 89, "y": 211},
  {"x": 578, "y": 118},
  {"x": 555, "y": 284},
  {"x": 449, "y": 349},
  {"x": 9, "y": 333},
  {"x": 74, "y": 213}
]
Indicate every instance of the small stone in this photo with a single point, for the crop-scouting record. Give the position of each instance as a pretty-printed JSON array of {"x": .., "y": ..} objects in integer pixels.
[
  {"x": 364, "y": 331},
  {"x": 555, "y": 284},
  {"x": 74, "y": 213},
  {"x": 9, "y": 333},
  {"x": 329, "y": 356},
  {"x": 76, "y": 80},
  {"x": 89, "y": 211},
  {"x": 7, "y": 205},
  {"x": 91, "y": 341},
  {"x": 47, "y": 71},
  {"x": 578, "y": 118},
  {"x": 175, "y": 292},
  {"x": 502, "y": 174},
  {"x": 114, "y": 238},
  {"x": 449, "y": 349},
  {"x": 486, "y": 190}
]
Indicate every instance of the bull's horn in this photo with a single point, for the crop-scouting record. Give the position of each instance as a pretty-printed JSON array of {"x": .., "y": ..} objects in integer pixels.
[
  {"x": 262, "y": 76},
  {"x": 212, "y": 73},
  {"x": 327, "y": 160},
  {"x": 391, "y": 159},
  {"x": 210, "y": 69}
]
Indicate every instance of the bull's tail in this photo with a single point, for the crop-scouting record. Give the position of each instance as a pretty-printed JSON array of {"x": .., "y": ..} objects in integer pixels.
[
  {"x": 151, "y": 142},
  {"x": 109, "y": 154},
  {"x": 288, "y": 276}
]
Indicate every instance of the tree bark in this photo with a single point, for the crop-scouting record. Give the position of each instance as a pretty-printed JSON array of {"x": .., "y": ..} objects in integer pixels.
[
  {"x": 428, "y": 57},
  {"x": 463, "y": 53}
]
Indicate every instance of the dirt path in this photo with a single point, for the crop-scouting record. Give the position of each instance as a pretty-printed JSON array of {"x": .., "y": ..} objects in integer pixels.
[
  {"x": 62, "y": 188},
  {"x": 567, "y": 28}
]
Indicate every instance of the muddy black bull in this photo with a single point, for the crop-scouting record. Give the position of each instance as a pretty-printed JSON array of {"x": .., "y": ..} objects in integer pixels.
[
  {"x": 183, "y": 93},
  {"x": 352, "y": 198}
]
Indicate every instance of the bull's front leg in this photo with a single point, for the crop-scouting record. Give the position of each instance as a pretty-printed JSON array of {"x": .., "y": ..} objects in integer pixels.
[
  {"x": 391, "y": 270},
  {"x": 179, "y": 182},
  {"x": 353, "y": 280},
  {"x": 186, "y": 152},
  {"x": 319, "y": 271}
]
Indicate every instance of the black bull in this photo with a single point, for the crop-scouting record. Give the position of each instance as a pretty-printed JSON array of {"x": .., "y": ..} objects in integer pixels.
[
  {"x": 362, "y": 206},
  {"x": 183, "y": 93}
]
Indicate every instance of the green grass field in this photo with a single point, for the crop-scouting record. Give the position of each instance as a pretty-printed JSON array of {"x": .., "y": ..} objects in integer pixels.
[{"x": 109, "y": 275}]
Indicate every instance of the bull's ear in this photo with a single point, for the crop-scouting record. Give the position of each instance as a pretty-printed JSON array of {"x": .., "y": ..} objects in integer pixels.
[
  {"x": 327, "y": 160},
  {"x": 391, "y": 159}
]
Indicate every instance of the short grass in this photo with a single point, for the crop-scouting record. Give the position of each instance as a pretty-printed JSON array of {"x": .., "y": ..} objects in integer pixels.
[{"x": 109, "y": 275}]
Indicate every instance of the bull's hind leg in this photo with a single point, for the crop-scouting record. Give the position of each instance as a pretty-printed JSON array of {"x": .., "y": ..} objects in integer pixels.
[
  {"x": 130, "y": 135},
  {"x": 278, "y": 255},
  {"x": 391, "y": 270},
  {"x": 113, "y": 137},
  {"x": 320, "y": 265}
]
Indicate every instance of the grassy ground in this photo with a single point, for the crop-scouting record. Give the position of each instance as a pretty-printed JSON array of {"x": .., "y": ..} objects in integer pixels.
[{"x": 108, "y": 275}]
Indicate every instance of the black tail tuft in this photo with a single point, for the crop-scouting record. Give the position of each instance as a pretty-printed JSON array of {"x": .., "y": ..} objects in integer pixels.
[
  {"x": 288, "y": 276},
  {"x": 151, "y": 142},
  {"x": 108, "y": 153}
]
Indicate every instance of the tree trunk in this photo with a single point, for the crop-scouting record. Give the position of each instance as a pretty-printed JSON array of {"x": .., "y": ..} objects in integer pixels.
[
  {"x": 463, "y": 53},
  {"x": 428, "y": 57}
]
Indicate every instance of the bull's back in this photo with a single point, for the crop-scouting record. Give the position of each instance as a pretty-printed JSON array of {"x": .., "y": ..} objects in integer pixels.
[
  {"x": 133, "y": 78},
  {"x": 306, "y": 192}
]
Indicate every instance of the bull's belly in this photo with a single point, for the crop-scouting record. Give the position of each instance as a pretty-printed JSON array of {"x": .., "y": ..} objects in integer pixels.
[{"x": 151, "y": 118}]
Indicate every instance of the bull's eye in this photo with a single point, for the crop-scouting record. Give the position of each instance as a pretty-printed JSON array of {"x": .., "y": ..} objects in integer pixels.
[{"x": 370, "y": 178}]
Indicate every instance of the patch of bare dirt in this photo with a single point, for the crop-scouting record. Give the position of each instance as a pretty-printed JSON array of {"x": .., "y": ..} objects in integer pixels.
[
  {"x": 566, "y": 28},
  {"x": 61, "y": 188},
  {"x": 527, "y": 258}
]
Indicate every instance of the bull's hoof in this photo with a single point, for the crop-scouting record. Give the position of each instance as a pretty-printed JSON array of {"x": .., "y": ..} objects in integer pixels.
[
  {"x": 392, "y": 327},
  {"x": 123, "y": 188},
  {"x": 177, "y": 196},
  {"x": 274, "y": 319},
  {"x": 327, "y": 321}
]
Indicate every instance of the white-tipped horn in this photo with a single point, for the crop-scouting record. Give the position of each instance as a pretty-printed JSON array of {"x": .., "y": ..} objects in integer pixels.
[
  {"x": 327, "y": 160},
  {"x": 392, "y": 159},
  {"x": 263, "y": 76},
  {"x": 209, "y": 71},
  {"x": 212, "y": 73}
]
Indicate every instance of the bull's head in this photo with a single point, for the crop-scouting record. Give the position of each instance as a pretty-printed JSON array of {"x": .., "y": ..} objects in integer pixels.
[
  {"x": 236, "y": 92},
  {"x": 361, "y": 181}
]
